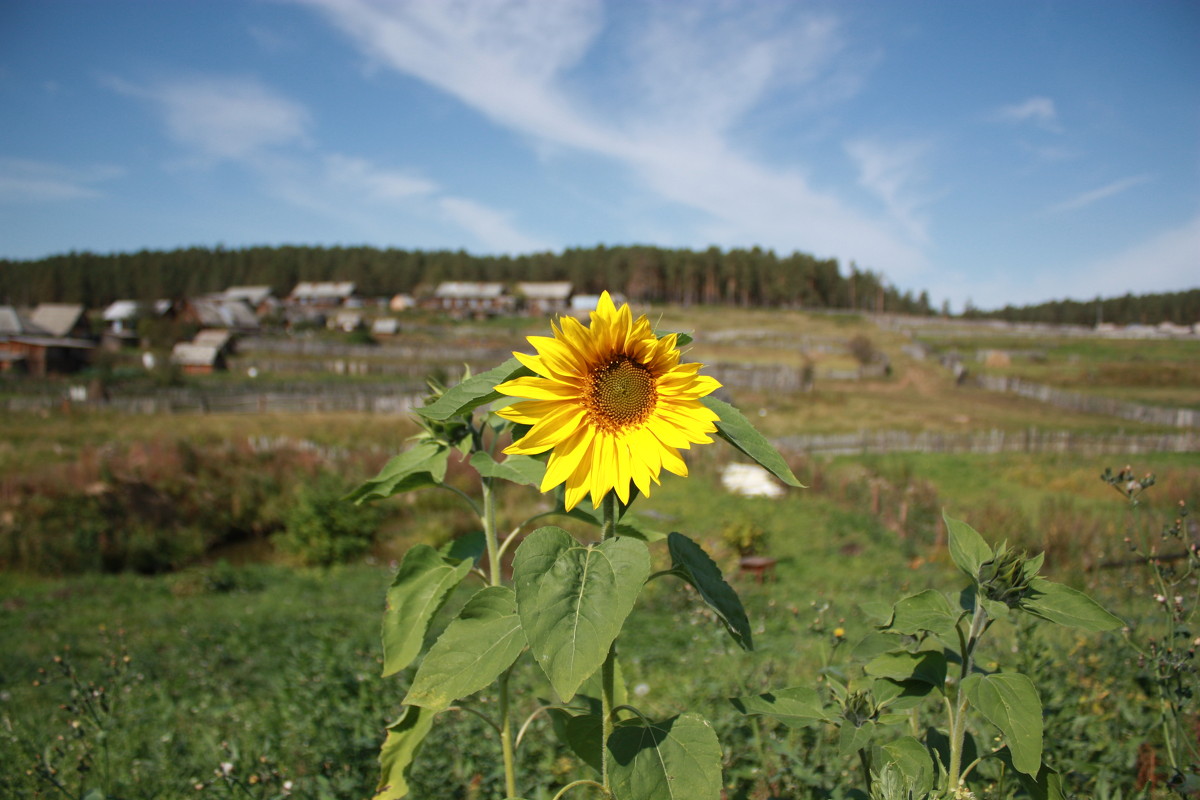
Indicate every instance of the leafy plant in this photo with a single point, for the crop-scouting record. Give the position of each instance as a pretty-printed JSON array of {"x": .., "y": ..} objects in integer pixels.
[
  {"x": 927, "y": 647},
  {"x": 565, "y": 605}
]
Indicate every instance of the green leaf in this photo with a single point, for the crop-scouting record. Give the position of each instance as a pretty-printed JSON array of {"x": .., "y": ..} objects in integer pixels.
[
  {"x": 585, "y": 735},
  {"x": 474, "y": 649},
  {"x": 1046, "y": 785},
  {"x": 1066, "y": 606},
  {"x": 573, "y": 600},
  {"x": 422, "y": 583},
  {"x": 468, "y": 547},
  {"x": 967, "y": 547},
  {"x": 518, "y": 469},
  {"x": 424, "y": 464},
  {"x": 404, "y": 738},
  {"x": 692, "y": 564},
  {"x": 473, "y": 392},
  {"x": 900, "y": 695},
  {"x": 927, "y": 666},
  {"x": 1010, "y": 701},
  {"x": 852, "y": 738},
  {"x": 913, "y": 760},
  {"x": 796, "y": 707},
  {"x": 737, "y": 430},
  {"x": 677, "y": 759},
  {"x": 927, "y": 611}
]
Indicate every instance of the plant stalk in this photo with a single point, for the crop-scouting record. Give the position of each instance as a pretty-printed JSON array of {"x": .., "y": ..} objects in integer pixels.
[
  {"x": 608, "y": 671},
  {"x": 958, "y": 710},
  {"x": 496, "y": 575}
]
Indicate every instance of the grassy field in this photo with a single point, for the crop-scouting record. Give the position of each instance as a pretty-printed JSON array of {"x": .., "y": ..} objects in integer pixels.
[{"x": 239, "y": 674}]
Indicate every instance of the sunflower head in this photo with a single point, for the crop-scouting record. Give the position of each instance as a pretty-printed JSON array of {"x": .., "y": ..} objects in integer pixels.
[{"x": 610, "y": 402}]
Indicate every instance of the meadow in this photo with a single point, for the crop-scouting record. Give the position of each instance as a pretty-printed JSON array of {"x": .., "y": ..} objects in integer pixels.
[{"x": 165, "y": 631}]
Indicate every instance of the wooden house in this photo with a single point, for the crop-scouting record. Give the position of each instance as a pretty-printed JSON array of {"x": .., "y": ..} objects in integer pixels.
[{"x": 471, "y": 299}]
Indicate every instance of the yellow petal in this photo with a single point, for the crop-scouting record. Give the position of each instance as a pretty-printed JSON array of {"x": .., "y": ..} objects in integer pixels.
[
  {"x": 566, "y": 458},
  {"x": 534, "y": 388}
]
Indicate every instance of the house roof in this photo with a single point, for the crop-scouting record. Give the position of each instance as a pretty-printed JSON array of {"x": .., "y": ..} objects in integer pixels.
[
  {"x": 212, "y": 336},
  {"x": 121, "y": 310},
  {"x": 57, "y": 319},
  {"x": 11, "y": 323},
  {"x": 545, "y": 290},
  {"x": 248, "y": 294},
  {"x": 194, "y": 355},
  {"x": 328, "y": 290},
  {"x": 468, "y": 290},
  {"x": 213, "y": 313}
]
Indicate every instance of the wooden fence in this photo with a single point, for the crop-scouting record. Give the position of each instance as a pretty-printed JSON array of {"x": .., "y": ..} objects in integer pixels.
[
  {"x": 1090, "y": 404},
  {"x": 994, "y": 441}
]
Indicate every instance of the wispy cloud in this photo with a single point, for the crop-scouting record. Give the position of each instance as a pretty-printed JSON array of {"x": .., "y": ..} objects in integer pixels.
[
  {"x": 892, "y": 172},
  {"x": 1038, "y": 110},
  {"x": 25, "y": 181},
  {"x": 365, "y": 178},
  {"x": 1166, "y": 261},
  {"x": 223, "y": 117},
  {"x": 493, "y": 229},
  {"x": 666, "y": 117},
  {"x": 1095, "y": 195}
]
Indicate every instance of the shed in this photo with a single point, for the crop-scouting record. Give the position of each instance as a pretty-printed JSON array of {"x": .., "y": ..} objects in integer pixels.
[{"x": 197, "y": 359}]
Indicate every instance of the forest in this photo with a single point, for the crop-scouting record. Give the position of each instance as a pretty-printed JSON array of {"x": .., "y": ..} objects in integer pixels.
[{"x": 645, "y": 274}]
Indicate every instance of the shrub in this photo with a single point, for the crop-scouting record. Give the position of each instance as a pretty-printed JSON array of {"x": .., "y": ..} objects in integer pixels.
[{"x": 321, "y": 528}]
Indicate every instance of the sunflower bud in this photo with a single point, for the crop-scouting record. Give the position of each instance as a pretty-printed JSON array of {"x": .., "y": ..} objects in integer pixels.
[
  {"x": 1005, "y": 578},
  {"x": 859, "y": 708}
]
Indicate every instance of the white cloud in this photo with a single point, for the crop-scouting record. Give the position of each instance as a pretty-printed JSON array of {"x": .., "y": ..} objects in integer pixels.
[
  {"x": 363, "y": 178},
  {"x": 892, "y": 172},
  {"x": 490, "y": 227},
  {"x": 1096, "y": 195},
  {"x": 24, "y": 181},
  {"x": 1168, "y": 261},
  {"x": 666, "y": 117},
  {"x": 1040, "y": 110},
  {"x": 223, "y": 117}
]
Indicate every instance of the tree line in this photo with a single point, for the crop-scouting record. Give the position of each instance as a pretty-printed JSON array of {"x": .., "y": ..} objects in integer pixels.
[
  {"x": 751, "y": 278},
  {"x": 645, "y": 274},
  {"x": 1181, "y": 308}
]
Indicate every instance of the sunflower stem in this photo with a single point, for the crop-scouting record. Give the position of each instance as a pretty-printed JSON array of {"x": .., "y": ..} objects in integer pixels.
[
  {"x": 496, "y": 575},
  {"x": 608, "y": 671}
]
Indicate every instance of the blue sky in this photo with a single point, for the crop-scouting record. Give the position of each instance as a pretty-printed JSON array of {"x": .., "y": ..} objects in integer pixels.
[{"x": 1001, "y": 152}]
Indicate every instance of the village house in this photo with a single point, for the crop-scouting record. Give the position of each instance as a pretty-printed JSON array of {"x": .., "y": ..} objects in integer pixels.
[
  {"x": 29, "y": 348},
  {"x": 322, "y": 294},
  {"x": 260, "y": 298},
  {"x": 471, "y": 299},
  {"x": 545, "y": 298},
  {"x": 198, "y": 359}
]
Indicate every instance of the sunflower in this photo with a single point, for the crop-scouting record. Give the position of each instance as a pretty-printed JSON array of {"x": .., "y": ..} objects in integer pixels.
[{"x": 611, "y": 403}]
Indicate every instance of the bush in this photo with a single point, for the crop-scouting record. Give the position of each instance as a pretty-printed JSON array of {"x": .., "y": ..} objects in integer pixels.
[{"x": 322, "y": 528}]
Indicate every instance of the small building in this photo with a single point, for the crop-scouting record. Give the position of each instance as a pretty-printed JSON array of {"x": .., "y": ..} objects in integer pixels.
[
  {"x": 121, "y": 316},
  {"x": 401, "y": 302},
  {"x": 322, "y": 294},
  {"x": 346, "y": 321},
  {"x": 198, "y": 359},
  {"x": 583, "y": 303},
  {"x": 545, "y": 298},
  {"x": 29, "y": 348},
  {"x": 385, "y": 326},
  {"x": 471, "y": 299}
]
